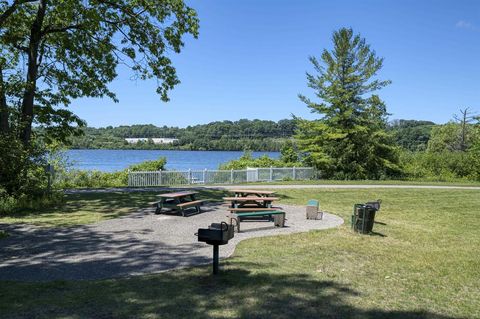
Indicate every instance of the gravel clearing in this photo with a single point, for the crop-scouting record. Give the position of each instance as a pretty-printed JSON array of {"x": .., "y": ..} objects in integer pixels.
[{"x": 136, "y": 244}]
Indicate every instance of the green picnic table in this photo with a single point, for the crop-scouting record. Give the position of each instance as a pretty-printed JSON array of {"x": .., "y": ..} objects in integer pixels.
[{"x": 178, "y": 201}]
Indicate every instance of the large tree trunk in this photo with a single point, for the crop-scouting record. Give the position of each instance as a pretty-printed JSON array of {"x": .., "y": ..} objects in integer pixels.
[
  {"x": 4, "y": 126},
  {"x": 32, "y": 72}
]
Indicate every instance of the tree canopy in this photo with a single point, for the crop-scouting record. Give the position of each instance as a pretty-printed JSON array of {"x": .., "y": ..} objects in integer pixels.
[
  {"x": 349, "y": 138},
  {"x": 57, "y": 51}
]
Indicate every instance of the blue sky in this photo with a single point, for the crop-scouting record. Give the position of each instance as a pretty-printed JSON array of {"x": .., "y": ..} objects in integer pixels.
[{"x": 251, "y": 57}]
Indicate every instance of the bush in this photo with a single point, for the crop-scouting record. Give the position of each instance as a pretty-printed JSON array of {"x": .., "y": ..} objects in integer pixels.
[
  {"x": 17, "y": 204},
  {"x": 246, "y": 160},
  {"x": 22, "y": 168},
  {"x": 442, "y": 166}
]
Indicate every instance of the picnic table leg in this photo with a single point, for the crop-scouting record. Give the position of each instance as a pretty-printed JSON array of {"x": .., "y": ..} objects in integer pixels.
[{"x": 159, "y": 208}]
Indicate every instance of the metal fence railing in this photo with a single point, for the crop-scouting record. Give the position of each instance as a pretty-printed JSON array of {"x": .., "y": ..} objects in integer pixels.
[{"x": 192, "y": 177}]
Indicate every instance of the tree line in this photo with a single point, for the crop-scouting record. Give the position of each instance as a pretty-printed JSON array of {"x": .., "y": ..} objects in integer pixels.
[{"x": 254, "y": 135}]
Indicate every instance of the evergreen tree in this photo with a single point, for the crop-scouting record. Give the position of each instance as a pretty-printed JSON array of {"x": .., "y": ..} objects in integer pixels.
[{"x": 349, "y": 140}]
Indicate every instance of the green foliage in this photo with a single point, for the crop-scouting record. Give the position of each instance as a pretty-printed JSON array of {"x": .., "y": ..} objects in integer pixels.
[
  {"x": 155, "y": 165},
  {"x": 288, "y": 154},
  {"x": 254, "y": 135},
  {"x": 349, "y": 140},
  {"x": 441, "y": 166},
  {"x": 22, "y": 168},
  {"x": 448, "y": 137},
  {"x": 247, "y": 160},
  {"x": 11, "y": 205}
]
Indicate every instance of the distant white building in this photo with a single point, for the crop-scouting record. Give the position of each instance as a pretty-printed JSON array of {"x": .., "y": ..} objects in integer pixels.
[{"x": 155, "y": 140}]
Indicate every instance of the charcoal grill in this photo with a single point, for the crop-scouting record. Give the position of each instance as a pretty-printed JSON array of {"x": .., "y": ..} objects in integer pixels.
[{"x": 216, "y": 234}]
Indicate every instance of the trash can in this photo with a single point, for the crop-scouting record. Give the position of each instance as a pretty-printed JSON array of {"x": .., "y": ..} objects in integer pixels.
[{"x": 363, "y": 218}]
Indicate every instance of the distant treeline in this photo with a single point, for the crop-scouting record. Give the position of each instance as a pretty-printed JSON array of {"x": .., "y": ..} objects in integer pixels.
[
  {"x": 411, "y": 135},
  {"x": 254, "y": 135}
]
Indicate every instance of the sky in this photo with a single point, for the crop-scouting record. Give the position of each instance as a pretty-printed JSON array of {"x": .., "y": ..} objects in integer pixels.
[{"x": 251, "y": 58}]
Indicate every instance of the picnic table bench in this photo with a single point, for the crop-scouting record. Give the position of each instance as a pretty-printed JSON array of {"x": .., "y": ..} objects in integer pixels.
[
  {"x": 278, "y": 217},
  {"x": 237, "y": 202},
  {"x": 178, "y": 201}
]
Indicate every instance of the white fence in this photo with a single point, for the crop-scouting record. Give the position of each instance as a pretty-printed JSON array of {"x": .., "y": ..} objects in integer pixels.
[{"x": 165, "y": 178}]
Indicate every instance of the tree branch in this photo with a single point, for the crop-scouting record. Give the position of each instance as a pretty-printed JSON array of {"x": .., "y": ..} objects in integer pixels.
[{"x": 51, "y": 29}]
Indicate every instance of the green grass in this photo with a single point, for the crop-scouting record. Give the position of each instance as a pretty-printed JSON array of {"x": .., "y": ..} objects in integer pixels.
[
  {"x": 422, "y": 262},
  {"x": 374, "y": 182}
]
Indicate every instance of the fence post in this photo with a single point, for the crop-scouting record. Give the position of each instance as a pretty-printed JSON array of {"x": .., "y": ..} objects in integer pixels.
[
  {"x": 189, "y": 176},
  {"x": 160, "y": 177},
  {"x": 271, "y": 173},
  {"x": 129, "y": 182},
  {"x": 231, "y": 176},
  {"x": 205, "y": 176},
  {"x": 293, "y": 173}
]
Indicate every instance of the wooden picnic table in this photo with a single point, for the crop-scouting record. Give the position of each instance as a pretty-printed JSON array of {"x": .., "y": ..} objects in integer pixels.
[
  {"x": 178, "y": 201},
  {"x": 238, "y": 202},
  {"x": 251, "y": 192}
]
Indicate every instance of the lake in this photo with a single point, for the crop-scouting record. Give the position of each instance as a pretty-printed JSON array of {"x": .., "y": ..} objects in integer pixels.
[{"x": 115, "y": 160}]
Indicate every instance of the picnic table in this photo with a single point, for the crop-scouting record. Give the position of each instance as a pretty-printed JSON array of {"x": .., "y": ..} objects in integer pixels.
[
  {"x": 251, "y": 192},
  {"x": 179, "y": 201},
  {"x": 255, "y": 201}
]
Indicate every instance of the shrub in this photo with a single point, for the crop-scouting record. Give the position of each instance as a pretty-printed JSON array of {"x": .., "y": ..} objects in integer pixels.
[
  {"x": 25, "y": 203},
  {"x": 247, "y": 160},
  {"x": 442, "y": 166}
]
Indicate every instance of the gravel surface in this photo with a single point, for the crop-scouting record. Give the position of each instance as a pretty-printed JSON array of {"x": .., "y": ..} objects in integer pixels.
[{"x": 139, "y": 243}]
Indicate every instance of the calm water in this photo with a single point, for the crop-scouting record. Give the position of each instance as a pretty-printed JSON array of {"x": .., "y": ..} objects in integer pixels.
[{"x": 115, "y": 160}]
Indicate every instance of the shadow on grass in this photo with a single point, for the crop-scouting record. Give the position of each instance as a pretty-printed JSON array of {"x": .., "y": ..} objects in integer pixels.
[
  {"x": 78, "y": 206},
  {"x": 242, "y": 290}
]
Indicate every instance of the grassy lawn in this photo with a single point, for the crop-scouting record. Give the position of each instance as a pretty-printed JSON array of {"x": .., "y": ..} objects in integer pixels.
[
  {"x": 373, "y": 182},
  {"x": 422, "y": 262}
]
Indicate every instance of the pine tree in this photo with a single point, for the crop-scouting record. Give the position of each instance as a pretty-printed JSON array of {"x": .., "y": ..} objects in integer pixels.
[{"x": 349, "y": 140}]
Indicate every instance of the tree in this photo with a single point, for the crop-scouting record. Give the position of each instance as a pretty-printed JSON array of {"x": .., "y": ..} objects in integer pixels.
[
  {"x": 70, "y": 49},
  {"x": 458, "y": 135},
  {"x": 349, "y": 139},
  {"x": 53, "y": 52},
  {"x": 465, "y": 120},
  {"x": 288, "y": 154}
]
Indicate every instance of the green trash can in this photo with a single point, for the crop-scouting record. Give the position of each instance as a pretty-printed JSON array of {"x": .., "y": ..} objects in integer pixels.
[{"x": 363, "y": 218}]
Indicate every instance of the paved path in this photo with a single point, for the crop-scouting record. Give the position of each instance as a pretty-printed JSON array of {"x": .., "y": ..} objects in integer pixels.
[
  {"x": 321, "y": 186},
  {"x": 139, "y": 243}
]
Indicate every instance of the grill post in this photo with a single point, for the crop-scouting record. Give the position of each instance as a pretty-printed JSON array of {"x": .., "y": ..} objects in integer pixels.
[{"x": 215, "y": 259}]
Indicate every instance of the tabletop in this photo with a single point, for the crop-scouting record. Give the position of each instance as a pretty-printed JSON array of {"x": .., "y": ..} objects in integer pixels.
[
  {"x": 252, "y": 191},
  {"x": 251, "y": 198},
  {"x": 177, "y": 194}
]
